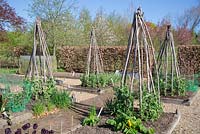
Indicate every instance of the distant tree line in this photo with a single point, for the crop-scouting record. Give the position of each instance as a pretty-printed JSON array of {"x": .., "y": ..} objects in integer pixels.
[{"x": 65, "y": 24}]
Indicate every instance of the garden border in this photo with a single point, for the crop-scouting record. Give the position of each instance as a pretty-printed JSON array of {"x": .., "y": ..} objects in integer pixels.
[
  {"x": 171, "y": 128},
  {"x": 173, "y": 124},
  {"x": 67, "y": 75},
  {"x": 88, "y": 90},
  {"x": 186, "y": 102}
]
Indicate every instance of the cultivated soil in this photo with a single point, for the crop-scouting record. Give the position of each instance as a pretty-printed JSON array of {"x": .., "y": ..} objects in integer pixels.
[
  {"x": 66, "y": 120},
  {"x": 187, "y": 95}
]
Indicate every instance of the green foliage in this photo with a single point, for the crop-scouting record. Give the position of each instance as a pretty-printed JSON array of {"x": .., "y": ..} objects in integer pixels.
[
  {"x": 151, "y": 107},
  {"x": 99, "y": 80},
  {"x": 122, "y": 101},
  {"x": 128, "y": 124},
  {"x": 8, "y": 70},
  {"x": 38, "y": 108},
  {"x": 43, "y": 90},
  {"x": 179, "y": 86},
  {"x": 37, "y": 88},
  {"x": 17, "y": 101},
  {"x": 61, "y": 99},
  {"x": 50, "y": 106},
  {"x": 49, "y": 89},
  {"x": 92, "y": 119}
]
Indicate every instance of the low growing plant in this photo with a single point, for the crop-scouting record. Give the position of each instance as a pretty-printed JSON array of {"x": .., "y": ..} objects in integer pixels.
[
  {"x": 50, "y": 106},
  {"x": 128, "y": 124},
  {"x": 61, "y": 99},
  {"x": 38, "y": 108},
  {"x": 92, "y": 119}
]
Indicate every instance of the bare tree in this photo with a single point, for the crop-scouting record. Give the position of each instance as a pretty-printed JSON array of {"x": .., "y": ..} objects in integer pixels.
[{"x": 191, "y": 18}]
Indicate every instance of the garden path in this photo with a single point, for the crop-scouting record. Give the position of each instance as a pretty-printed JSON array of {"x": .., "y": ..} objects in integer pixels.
[{"x": 190, "y": 117}]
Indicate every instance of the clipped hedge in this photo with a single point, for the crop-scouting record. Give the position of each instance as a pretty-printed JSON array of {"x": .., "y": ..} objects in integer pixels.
[
  {"x": 189, "y": 59},
  {"x": 74, "y": 58}
]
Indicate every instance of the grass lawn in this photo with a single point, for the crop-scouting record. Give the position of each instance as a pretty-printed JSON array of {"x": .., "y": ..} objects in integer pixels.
[{"x": 8, "y": 70}]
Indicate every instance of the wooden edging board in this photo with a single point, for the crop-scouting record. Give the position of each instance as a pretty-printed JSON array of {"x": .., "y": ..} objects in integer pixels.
[
  {"x": 67, "y": 75},
  {"x": 89, "y": 90},
  {"x": 186, "y": 102},
  {"x": 174, "y": 123}
]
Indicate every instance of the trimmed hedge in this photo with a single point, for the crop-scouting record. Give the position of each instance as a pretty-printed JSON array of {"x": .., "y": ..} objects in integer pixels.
[
  {"x": 75, "y": 58},
  {"x": 189, "y": 59}
]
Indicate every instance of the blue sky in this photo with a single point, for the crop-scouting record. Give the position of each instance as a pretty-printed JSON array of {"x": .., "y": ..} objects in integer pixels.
[{"x": 155, "y": 10}]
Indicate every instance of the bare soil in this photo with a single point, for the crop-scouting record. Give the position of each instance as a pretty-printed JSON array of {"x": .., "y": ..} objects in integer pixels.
[
  {"x": 187, "y": 95},
  {"x": 159, "y": 125}
]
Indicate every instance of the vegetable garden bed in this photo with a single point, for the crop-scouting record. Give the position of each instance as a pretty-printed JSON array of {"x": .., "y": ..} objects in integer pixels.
[
  {"x": 164, "y": 125},
  {"x": 181, "y": 100}
]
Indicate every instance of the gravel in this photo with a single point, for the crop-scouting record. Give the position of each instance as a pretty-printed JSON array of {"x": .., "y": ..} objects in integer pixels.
[{"x": 190, "y": 117}]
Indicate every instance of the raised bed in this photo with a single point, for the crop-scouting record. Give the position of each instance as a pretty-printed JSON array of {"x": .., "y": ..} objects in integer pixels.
[
  {"x": 181, "y": 100},
  {"x": 67, "y": 75},
  {"x": 164, "y": 125},
  {"x": 87, "y": 89}
]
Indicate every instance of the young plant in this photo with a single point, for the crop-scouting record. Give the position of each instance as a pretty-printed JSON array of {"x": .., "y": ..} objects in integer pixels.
[
  {"x": 92, "y": 119},
  {"x": 151, "y": 107},
  {"x": 50, "y": 106},
  {"x": 122, "y": 101},
  {"x": 37, "y": 88},
  {"x": 49, "y": 89},
  {"x": 61, "y": 99},
  {"x": 99, "y": 80},
  {"x": 128, "y": 124},
  {"x": 38, "y": 108},
  {"x": 180, "y": 85}
]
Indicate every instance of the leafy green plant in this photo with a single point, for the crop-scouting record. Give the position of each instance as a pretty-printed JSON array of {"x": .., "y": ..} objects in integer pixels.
[
  {"x": 128, "y": 124},
  {"x": 151, "y": 107},
  {"x": 61, "y": 99},
  {"x": 49, "y": 89},
  {"x": 38, "y": 108},
  {"x": 122, "y": 101},
  {"x": 50, "y": 106},
  {"x": 92, "y": 119},
  {"x": 179, "y": 86},
  {"x": 37, "y": 88},
  {"x": 43, "y": 90},
  {"x": 99, "y": 80}
]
